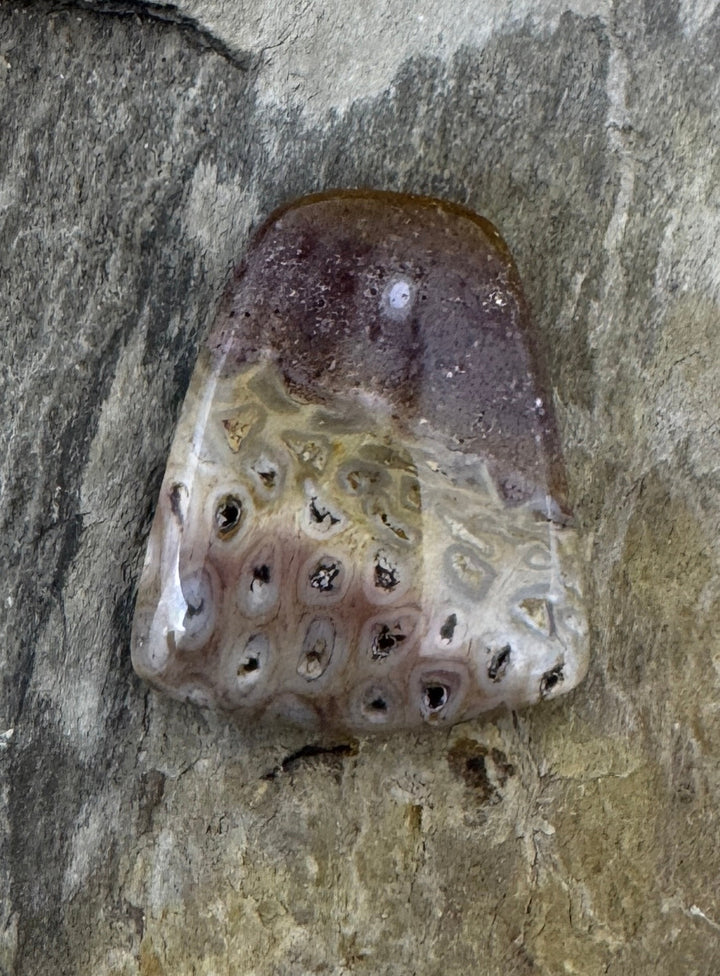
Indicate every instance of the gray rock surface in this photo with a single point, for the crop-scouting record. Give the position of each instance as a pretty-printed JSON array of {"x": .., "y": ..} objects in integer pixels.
[{"x": 138, "y": 147}]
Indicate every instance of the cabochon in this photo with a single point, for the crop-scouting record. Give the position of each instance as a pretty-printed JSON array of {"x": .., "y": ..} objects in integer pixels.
[{"x": 364, "y": 521}]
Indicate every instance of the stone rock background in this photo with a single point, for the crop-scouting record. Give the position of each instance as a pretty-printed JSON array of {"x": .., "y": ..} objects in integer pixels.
[{"x": 139, "y": 145}]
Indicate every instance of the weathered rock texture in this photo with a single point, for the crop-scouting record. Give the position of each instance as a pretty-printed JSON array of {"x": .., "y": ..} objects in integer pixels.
[{"x": 140, "y": 836}]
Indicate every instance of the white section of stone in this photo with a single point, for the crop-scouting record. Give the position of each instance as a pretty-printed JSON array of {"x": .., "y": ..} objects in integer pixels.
[{"x": 399, "y": 294}]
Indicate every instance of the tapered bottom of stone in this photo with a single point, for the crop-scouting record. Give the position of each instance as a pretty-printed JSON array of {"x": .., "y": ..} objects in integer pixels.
[{"x": 321, "y": 563}]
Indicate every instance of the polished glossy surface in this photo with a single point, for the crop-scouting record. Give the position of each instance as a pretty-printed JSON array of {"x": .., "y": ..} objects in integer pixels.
[{"x": 363, "y": 523}]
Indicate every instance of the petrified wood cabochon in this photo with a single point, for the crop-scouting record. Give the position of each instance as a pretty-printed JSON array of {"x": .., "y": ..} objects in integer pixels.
[{"x": 363, "y": 523}]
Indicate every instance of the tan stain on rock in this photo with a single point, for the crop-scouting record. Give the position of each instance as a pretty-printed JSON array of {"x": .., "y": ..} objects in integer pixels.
[
  {"x": 665, "y": 562},
  {"x": 149, "y": 963}
]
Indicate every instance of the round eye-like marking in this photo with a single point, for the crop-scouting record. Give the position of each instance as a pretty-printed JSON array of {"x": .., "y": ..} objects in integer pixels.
[
  {"x": 447, "y": 630},
  {"x": 439, "y": 692},
  {"x": 321, "y": 514},
  {"x": 398, "y": 297},
  {"x": 387, "y": 637},
  {"x": 324, "y": 580},
  {"x": 385, "y": 641},
  {"x": 533, "y": 609},
  {"x": 258, "y": 589},
  {"x": 238, "y": 425},
  {"x": 410, "y": 493},
  {"x": 200, "y": 612},
  {"x": 537, "y": 557},
  {"x": 375, "y": 704},
  {"x": 378, "y": 508},
  {"x": 266, "y": 473},
  {"x": 308, "y": 450},
  {"x": 228, "y": 515}
]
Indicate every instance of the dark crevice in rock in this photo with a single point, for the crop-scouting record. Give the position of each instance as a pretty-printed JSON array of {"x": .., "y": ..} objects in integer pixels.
[
  {"x": 167, "y": 13},
  {"x": 330, "y": 756}
]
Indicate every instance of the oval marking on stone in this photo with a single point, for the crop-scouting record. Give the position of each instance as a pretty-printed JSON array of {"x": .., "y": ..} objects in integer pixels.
[
  {"x": 398, "y": 297},
  {"x": 200, "y": 613},
  {"x": 258, "y": 586},
  {"x": 317, "y": 650},
  {"x": 228, "y": 515},
  {"x": 324, "y": 579},
  {"x": 389, "y": 635},
  {"x": 439, "y": 690},
  {"x": 499, "y": 662},
  {"x": 250, "y": 665},
  {"x": 551, "y": 680},
  {"x": 376, "y": 704}
]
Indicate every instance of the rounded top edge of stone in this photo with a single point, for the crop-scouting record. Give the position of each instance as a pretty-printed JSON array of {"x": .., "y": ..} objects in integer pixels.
[
  {"x": 353, "y": 199},
  {"x": 406, "y": 214}
]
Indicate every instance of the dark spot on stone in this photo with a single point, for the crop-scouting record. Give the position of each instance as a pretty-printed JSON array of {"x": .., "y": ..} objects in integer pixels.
[
  {"x": 261, "y": 575},
  {"x": 194, "y": 610},
  {"x": 551, "y": 679},
  {"x": 175, "y": 502},
  {"x": 151, "y": 790},
  {"x": 386, "y": 576},
  {"x": 324, "y": 575},
  {"x": 319, "y": 516},
  {"x": 436, "y": 697},
  {"x": 385, "y": 641},
  {"x": 448, "y": 628},
  {"x": 398, "y": 530},
  {"x": 499, "y": 663},
  {"x": 503, "y": 769},
  {"x": 227, "y": 516},
  {"x": 268, "y": 477}
]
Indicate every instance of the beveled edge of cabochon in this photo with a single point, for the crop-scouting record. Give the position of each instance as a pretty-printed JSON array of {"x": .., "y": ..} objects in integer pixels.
[{"x": 331, "y": 246}]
